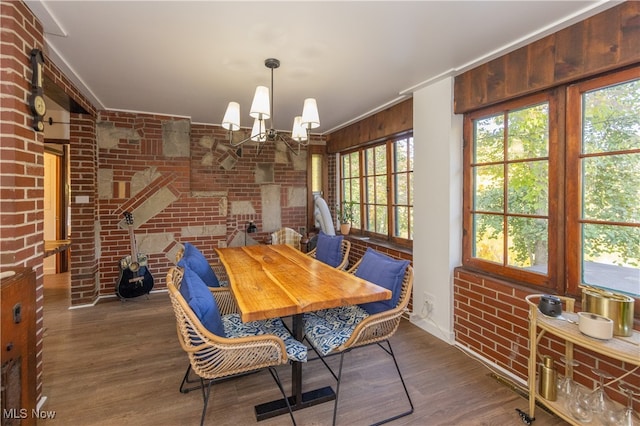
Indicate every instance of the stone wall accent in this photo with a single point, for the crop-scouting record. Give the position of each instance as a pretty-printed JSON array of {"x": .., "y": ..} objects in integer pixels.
[
  {"x": 297, "y": 196},
  {"x": 105, "y": 183},
  {"x": 242, "y": 208},
  {"x": 155, "y": 243},
  {"x": 204, "y": 231},
  {"x": 271, "y": 208},
  {"x": 143, "y": 179},
  {"x": 264, "y": 173},
  {"x": 108, "y": 136},
  {"x": 176, "y": 138}
]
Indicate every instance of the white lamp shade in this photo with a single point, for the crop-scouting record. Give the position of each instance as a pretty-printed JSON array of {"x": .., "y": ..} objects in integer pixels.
[
  {"x": 310, "y": 116},
  {"x": 258, "y": 132},
  {"x": 298, "y": 133},
  {"x": 260, "y": 105},
  {"x": 231, "y": 120}
]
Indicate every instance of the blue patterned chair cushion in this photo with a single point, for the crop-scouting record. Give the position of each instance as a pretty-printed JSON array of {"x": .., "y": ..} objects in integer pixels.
[
  {"x": 329, "y": 249},
  {"x": 195, "y": 260},
  {"x": 234, "y": 327},
  {"x": 201, "y": 301},
  {"x": 385, "y": 271},
  {"x": 329, "y": 328}
]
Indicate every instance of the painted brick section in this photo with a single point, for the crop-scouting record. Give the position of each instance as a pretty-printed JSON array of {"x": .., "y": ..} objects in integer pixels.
[{"x": 491, "y": 318}]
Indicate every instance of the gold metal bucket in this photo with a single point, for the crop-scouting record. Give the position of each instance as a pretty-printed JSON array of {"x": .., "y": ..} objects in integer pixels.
[{"x": 616, "y": 307}]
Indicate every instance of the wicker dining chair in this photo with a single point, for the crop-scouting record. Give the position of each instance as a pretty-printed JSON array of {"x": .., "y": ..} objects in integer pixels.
[
  {"x": 345, "y": 248},
  {"x": 213, "y": 357},
  {"x": 340, "y": 330}
]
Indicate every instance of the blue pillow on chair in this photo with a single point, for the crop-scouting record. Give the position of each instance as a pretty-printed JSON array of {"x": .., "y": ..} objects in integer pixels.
[
  {"x": 329, "y": 249},
  {"x": 386, "y": 272},
  {"x": 201, "y": 302},
  {"x": 196, "y": 261}
]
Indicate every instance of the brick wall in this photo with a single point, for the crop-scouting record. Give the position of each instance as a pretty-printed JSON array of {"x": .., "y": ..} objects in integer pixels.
[
  {"x": 491, "y": 318},
  {"x": 21, "y": 158},
  {"x": 206, "y": 180},
  {"x": 83, "y": 162}
]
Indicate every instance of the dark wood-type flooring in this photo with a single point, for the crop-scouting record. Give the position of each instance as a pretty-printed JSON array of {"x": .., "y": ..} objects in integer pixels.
[{"x": 120, "y": 364}]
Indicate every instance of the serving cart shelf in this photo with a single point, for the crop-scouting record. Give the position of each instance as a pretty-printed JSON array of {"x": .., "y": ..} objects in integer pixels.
[{"x": 625, "y": 349}]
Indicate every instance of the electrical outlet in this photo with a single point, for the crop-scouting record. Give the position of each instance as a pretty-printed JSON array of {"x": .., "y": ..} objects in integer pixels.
[{"x": 429, "y": 304}]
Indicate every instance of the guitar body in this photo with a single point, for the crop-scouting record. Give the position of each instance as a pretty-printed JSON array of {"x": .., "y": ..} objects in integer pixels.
[
  {"x": 135, "y": 278},
  {"x": 133, "y": 284}
]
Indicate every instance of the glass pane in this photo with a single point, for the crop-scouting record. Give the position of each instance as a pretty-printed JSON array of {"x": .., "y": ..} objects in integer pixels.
[
  {"x": 611, "y": 188},
  {"x": 411, "y": 153},
  {"x": 355, "y": 190},
  {"x": 528, "y": 135},
  {"x": 611, "y": 118},
  {"x": 316, "y": 173},
  {"x": 346, "y": 168},
  {"x": 611, "y": 257},
  {"x": 528, "y": 244},
  {"x": 381, "y": 189},
  {"x": 371, "y": 217},
  {"x": 381, "y": 159},
  {"x": 402, "y": 222},
  {"x": 369, "y": 163},
  {"x": 355, "y": 223},
  {"x": 354, "y": 164},
  {"x": 489, "y": 139},
  {"x": 401, "y": 155},
  {"x": 528, "y": 187},
  {"x": 402, "y": 188},
  {"x": 411, "y": 222},
  {"x": 381, "y": 219},
  {"x": 489, "y": 188},
  {"x": 488, "y": 238},
  {"x": 371, "y": 190}
]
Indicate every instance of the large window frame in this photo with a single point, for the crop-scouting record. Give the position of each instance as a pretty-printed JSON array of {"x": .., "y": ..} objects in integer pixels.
[
  {"x": 564, "y": 273},
  {"x": 374, "y": 188}
]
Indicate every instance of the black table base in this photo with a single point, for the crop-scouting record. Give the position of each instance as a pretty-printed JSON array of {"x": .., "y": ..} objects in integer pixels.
[{"x": 279, "y": 406}]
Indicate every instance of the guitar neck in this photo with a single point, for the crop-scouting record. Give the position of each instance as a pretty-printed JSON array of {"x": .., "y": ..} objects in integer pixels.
[{"x": 132, "y": 239}]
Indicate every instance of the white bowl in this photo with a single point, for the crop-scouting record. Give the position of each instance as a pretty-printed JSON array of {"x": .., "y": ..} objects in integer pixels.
[{"x": 594, "y": 325}]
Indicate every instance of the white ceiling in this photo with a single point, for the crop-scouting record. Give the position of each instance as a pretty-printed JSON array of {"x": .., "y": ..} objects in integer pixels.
[{"x": 190, "y": 58}]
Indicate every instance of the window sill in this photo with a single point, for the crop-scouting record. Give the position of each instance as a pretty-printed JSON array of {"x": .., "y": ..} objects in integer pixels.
[{"x": 375, "y": 242}]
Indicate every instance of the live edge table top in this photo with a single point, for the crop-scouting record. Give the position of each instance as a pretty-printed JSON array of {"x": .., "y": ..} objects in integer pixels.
[{"x": 270, "y": 281}]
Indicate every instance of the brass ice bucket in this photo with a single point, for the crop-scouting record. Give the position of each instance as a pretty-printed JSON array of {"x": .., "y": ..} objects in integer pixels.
[{"x": 616, "y": 307}]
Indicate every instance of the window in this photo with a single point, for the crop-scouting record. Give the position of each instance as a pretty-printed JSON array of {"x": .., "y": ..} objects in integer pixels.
[
  {"x": 540, "y": 204},
  {"x": 378, "y": 181},
  {"x": 509, "y": 211},
  {"x": 604, "y": 160}
]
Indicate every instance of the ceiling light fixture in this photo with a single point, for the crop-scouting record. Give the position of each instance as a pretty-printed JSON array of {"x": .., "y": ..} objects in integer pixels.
[{"x": 261, "y": 111}]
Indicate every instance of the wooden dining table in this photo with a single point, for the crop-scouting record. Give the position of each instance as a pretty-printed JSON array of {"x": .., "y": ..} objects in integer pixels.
[{"x": 271, "y": 281}]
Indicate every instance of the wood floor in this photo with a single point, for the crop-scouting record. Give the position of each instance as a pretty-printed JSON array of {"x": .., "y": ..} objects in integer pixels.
[{"x": 120, "y": 363}]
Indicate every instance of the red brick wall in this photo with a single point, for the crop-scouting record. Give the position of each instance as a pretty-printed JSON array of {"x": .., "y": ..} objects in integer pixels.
[
  {"x": 491, "y": 318},
  {"x": 83, "y": 162},
  {"x": 21, "y": 158}
]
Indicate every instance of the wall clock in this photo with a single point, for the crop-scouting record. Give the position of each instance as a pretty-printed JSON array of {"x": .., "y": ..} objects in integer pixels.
[{"x": 36, "y": 99}]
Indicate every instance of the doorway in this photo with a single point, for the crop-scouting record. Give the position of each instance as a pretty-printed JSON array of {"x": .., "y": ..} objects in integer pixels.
[{"x": 56, "y": 208}]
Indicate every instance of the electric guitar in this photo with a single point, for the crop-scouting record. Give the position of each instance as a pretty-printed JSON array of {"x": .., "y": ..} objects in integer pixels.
[{"x": 135, "y": 278}]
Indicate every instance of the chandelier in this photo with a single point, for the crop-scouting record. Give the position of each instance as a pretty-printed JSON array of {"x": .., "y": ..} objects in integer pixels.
[{"x": 261, "y": 112}]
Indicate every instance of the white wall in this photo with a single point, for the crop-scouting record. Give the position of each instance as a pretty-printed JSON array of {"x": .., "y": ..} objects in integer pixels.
[{"x": 437, "y": 243}]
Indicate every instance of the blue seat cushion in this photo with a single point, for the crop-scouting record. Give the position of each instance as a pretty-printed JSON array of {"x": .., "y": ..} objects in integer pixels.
[
  {"x": 201, "y": 302},
  {"x": 195, "y": 260},
  {"x": 329, "y": 249},
  {"x": 234, "y": 327},
  {"x": 386, "y": 272},
  {"x": 329, "y": 328}
]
